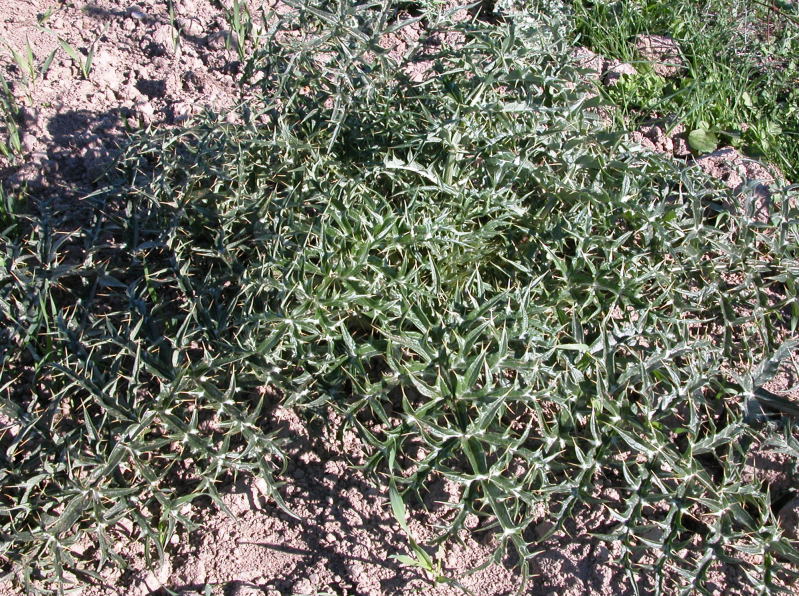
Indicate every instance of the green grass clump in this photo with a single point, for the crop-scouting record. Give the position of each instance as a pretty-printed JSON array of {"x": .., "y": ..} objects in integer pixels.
[
  {"x": 742, "y": 72},
  {"x": 487, "y": 286}
]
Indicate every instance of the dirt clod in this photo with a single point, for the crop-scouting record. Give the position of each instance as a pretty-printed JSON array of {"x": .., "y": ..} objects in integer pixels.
[
  {"x": 788, "y": 518},
  {"x": 243, "y": 589},
  {"x": 737, "y": 171},
  {"x": 663, "y": 53},
  {"x": 588, "y": 60},
  {"x": 615, "y": 71}
]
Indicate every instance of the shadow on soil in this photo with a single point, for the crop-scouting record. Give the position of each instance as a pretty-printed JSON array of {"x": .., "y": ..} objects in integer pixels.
[{"x": 341, "y": 534}]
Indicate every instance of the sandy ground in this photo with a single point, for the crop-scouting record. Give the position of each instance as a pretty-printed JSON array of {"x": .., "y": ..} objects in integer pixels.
[
  {"x": 151, "y": 70},
  {"x": 344, "y": 540}
]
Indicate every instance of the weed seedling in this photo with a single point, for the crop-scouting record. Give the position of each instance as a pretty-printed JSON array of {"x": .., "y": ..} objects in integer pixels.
[
  {"x": 10, "y": 145},
  {"x": 419, "y": 557},
  {"x": 82, "y": 58},
  {"x": 29, "y": 67}
]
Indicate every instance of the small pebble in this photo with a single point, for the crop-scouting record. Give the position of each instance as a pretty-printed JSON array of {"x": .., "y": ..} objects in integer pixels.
[{"x": 135, "y": 13}]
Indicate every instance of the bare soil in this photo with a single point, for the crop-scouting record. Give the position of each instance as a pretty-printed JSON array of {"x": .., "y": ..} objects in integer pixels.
[{"x": 344, "y": 535}]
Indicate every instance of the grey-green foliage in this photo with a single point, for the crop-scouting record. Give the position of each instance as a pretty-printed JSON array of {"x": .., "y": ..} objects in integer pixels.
[
  {"x": 486, "y": 285},
  {"x": 115, "y": 413},
  {"x": 113, "y": 409},
  {"x": 466, "y": 264}
]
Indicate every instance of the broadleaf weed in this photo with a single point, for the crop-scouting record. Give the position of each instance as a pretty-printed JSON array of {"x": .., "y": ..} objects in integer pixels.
[{"x": 740, "y": 68}]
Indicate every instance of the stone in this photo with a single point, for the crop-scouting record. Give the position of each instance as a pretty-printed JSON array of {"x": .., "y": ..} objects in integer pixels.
[
  {"x": 147, "y": 112},
  {"x": 136, "y": 13},
  {"x": 681, "y": 148},
  {"x": 28, "y": 142},
  {"x": 149, "y": 584},
  {"x": 304, "y": 586}
]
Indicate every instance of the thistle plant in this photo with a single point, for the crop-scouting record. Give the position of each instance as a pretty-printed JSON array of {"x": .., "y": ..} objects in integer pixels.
[{"x": 485, "y": 284}]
